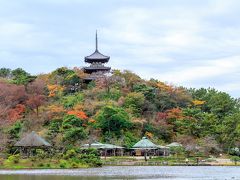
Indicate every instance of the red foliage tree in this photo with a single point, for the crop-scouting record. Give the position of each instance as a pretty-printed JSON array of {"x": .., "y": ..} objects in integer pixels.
[
  {"x": 12, "y": 99},
  {"x": 36, "y": 95},
  {"x": 16, "y": 113},
  {"x": 35, "y": 101}
]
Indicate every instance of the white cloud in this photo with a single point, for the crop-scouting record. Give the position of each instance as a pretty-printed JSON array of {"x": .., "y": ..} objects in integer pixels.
[
  {"x": 179, "y": 41},
  {"x": 206, "y": 70}
]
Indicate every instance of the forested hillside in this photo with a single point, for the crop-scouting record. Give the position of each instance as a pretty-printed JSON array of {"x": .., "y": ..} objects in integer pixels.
[{"x": 119, "y": 109}]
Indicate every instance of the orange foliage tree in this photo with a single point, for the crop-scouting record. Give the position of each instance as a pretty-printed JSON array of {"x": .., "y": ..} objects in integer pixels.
[
  {"x": 54, "y": 89},
  {"x": 79, "y": 114},
  {"x": 174, "y": 113}
]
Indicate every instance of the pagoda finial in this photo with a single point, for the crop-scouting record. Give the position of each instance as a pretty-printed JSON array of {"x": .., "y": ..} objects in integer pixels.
[{"x": 96, "y": 41}]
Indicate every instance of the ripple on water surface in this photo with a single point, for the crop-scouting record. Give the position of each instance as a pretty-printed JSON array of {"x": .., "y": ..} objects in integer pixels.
[{"x": 126, "y": 172}]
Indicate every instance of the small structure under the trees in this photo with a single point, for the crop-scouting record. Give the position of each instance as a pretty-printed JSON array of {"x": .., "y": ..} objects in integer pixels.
[
  {"x": 96, "y": 69},
  {"x": 106, "y": 149},
  {"x": 146, "y": 147},
  {"x": 31, "y": 142}
]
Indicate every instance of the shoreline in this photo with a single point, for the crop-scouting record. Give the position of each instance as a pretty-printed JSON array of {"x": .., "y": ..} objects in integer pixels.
[
  {"x": 120, "y": 161},
  {"x": 176, "y": 165}
]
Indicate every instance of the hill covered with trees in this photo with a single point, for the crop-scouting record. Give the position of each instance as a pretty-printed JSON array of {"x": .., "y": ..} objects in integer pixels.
[{"x": 118, "y": 109}]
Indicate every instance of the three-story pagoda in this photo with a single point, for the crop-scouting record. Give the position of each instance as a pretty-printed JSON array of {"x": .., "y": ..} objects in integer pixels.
[{"x": 97, "y": 60}]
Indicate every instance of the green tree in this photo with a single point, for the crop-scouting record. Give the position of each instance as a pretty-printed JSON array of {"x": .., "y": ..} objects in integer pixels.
[
  {"x": 5, "y": 72},
  {"x": 112, "y": 120},
  {"x": 197, "y": 123},
  {"x": 218, "y": 103},
  {"x": 229, "y": 131},
  {"x": 74, "y": 134},
  {"x": 134, "y": 101},
  {"x": 67, "y": 78},
  {"x": 15, "y": 129},
  {"x": 70, "y": 121},
  {"x": 72, "y": 129},
  {"x": 148, "y": 91},
  {"x": 71, "y": 100},
  {"x": 22, "y": 77}
]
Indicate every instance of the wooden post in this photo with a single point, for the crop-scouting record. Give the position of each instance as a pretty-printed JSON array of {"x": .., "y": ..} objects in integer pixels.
[
  {"x": 105, "y": 154},
  {"x": 145, "y": 154}
]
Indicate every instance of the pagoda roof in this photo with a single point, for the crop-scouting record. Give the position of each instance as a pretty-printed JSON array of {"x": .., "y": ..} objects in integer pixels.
[{"x": 96, "y": 56}]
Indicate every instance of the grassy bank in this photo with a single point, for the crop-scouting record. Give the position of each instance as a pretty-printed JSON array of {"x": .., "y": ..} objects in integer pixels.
[
  {"x": 41, "y": 164},
  {"x": 168, "y": 161},
  {"x": 72, "y": 158},
  {"x": 14, "y": 162}
]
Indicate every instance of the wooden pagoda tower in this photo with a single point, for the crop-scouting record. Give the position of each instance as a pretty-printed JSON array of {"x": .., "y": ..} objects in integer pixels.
[{"x": 96, "y": 60}]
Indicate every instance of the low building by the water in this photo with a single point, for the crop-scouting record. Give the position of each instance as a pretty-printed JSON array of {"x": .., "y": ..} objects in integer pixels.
[
  {"x": 145, "y": 147},
  {"x": 106, "y": 149}
]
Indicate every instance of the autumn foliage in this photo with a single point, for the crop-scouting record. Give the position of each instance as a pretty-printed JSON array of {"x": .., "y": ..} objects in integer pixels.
[
  {"x": 54, "y": 89},
  {"x": 16, "y": 113},
  {"x": 79, "y": 114},
  {"x": 119, "y": 109}
]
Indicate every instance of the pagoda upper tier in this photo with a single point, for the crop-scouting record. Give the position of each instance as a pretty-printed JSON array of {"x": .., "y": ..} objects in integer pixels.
[{"x": 97, "y": 56}]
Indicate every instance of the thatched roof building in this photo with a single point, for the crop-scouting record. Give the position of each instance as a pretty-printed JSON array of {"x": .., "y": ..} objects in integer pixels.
[{"x": 32, "y": 140}]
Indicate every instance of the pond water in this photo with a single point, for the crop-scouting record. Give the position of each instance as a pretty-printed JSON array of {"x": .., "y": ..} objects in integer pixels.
[{"x": 127, "y": 172}]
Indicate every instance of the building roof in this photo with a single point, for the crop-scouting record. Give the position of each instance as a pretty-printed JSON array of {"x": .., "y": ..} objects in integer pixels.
[
  {"x": 96, "y": 56},
  {"x": 145, "y": 143},
  {"x": 98, "y": 145},
  {"x": 111, "y": 146},
  {"x": 174, "y": 144},
  {"x": 93, "y": 145},
  {"x": 32, "y": 140},
  {"x": 162, "y": 147}
]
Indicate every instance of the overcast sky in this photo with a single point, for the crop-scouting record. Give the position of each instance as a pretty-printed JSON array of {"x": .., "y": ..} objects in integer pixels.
[{"x": 192, "y": 43}]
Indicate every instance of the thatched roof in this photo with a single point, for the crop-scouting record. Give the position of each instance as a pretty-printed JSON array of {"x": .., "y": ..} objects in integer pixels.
[
  {"x": 32, "y": 140},
  {"x": 145, "y": 143}
]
